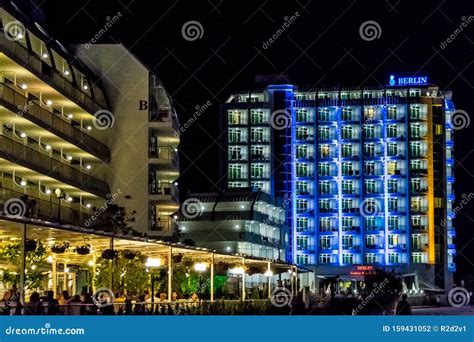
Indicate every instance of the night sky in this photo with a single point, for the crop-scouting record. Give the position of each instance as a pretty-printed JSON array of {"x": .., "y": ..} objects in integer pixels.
[{"x": 321, "y": 47}]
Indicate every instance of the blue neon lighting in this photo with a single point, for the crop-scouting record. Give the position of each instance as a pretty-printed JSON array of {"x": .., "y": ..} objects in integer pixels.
[{"x": 405, "y": 81}]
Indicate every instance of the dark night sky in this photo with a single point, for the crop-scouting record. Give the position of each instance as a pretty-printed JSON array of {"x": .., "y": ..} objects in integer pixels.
[{"x": 322, "y": 47}]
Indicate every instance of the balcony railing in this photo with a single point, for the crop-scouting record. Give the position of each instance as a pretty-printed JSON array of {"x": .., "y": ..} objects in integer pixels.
[
  {"x": 52, "y": 122},
  {"x": 31, "y": 61},
  {"x": 46, "y": 210},
  {"x": 164, "y": 116},
  {"x": 27, "y": 157}
]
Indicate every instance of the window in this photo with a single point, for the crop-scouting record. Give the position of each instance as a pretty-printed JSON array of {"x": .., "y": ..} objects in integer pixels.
[
  {"x": 370, "y": 186},
  {"x": 393, "y": 222},
  {"x": 347, "y": 169},
  {"x": 370, "y": 241},
  {"x": 415, "y": 147},
  {"x": 235, "y": 171},
  {"x": 325, "y": 224},
  {"x": 301, "y": 206},
  {"x": 324, "y": 169},
  {"x": 347, "y": 223},
  {"x": 235, "y": 153},
  {"x": 369, "y": 168},
  {"x": 323, "y": 114},
  {"x": 301, "y": 170},
  {"x": 417, "y": 258},
  {"x": 393, "y": 204},
  {"x": 324, "y": 205},
  {"x": 302, "y": 133},
  {"x": 302, "y": 224},
  {"x": 416, "y": 241},
  {"x": 256, "y": 170},
  {"x": 301, "y": 151},
  {"x": 369, "y": 131},
  {"x": 324, "y": 187},
  {"x": 393, "y": 240},
  {"x": 347, "y": 114},
  {"x": 347, "y": 132},
  {"x": 392, "y": 131},
  {"x": 392, "y": 168},
  {"x": 257, "y": 152},
  {"x": 370, "y": 258},
  {"x": 258, "y": 185},
  {"x": 415, "y": 184},
  {"x": 302, "y": 259},
  {"x": 347, "y": 259},
  {"x": 392, "y": 185},
  {"x": 257, "y": 116},
  {"x": 302, "y": 242},
  {"x": 369, "y": 149},
  {"x": 347, "y": 204},
  {"x": 236, "y": 117},
  {"x": 348, "y": 187},
  {"x": 302, "y": 115},
  {"x": 347, "y": 241},
  {"x": 346, "y": 150},
  {"x": 415, "y": 130},
  {"x": 392, "y": 113},
  {"x": 393, "y": 258},
  {"x": 302, "y": 188},
  {"x": 392, "y": 149},
  {"x": 370, "y": 223},
  {"x": 324, "y": 151},
  {"x": 323, "y": 133},
  {"x": 325, "y": 242},
  {"x": 257, "y": 134},
  {"x": 235, "y": 135},
  {"x": 324, "y": 258},
  {"x": 415, "y": 112}
]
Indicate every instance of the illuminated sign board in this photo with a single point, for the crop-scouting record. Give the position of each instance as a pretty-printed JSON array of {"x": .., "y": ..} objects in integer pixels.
[{"x": 407, "y": 81}]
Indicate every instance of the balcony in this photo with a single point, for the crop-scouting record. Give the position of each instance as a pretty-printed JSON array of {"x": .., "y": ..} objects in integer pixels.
[
  {"x": 166, "y": 119},
  {"x": 14, "y": 101},
  {"x": 48, "y": 211},
  {"x": 164, "y": 155},
  {"x": 31, "y": 61},
  {"x": 165, "y": 191},
  {"x": 34, "y": 160}
]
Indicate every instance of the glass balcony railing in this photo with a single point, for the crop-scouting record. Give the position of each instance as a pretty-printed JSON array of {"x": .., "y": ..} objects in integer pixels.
[
  {"x": 52, "y": 77},
  {"x": 27, "y": 157},
  {"x": 52, "y": 122}
]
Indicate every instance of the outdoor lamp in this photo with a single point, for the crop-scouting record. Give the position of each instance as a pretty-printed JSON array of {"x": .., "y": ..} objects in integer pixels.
[
  {"x": 153, "y": 262},
  {"x": 200, "y": 267},
  {"x": 268, "y": 273}
]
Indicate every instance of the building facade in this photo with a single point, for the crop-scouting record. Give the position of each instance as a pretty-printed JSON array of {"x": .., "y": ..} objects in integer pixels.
[
  {"x": 368, "y": 172},
  {"x": 83, "y": 127},
  {"x": 244, "y": 221}
]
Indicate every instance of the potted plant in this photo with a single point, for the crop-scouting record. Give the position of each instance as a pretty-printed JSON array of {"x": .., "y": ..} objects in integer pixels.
[
  {"x": 109, "y": 254},
  {"x": 129, "y": 255},
  {"x": 30, "y": 245},
  {"x": 59, "y": 249},
  {"x": 177, "y": 258},
  {"x": 83, "y": 250}
]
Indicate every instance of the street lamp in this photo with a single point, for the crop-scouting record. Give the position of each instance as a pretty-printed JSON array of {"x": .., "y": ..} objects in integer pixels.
[
  {"x": 153, "y": 263},
  {"x": 60, "y": 194},
  {"x": 269, "y": 274}
]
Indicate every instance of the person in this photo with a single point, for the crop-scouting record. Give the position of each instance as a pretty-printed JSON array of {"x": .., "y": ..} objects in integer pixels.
[
  {"x": 88, "y": 307},
  {"x": 52, "y": 304},
  {"x": 5, "y": 303},
  {"x": 174, "y": 297},
  {"x": 194, "y": 298},
  {"x": 403, "y": 307},
  {"x": 74, "y": 307},
  {"x": 162, "y": 297},
  {"x": 34, "y": 307},
  {"x": 64, "y": 301}
]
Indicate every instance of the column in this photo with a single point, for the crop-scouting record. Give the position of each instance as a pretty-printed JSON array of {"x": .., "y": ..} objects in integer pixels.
[
  {"x": 170, "y": 272},
  {"x": 21, "y": 289},
  {"x": 243, "y": 278},
  {"x": 54, "y": 275},
  {"x": 269, "y": 281},
  {"x": 212, "y": 277}
]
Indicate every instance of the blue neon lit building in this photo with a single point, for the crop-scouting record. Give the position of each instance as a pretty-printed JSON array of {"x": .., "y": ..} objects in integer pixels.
[{"x": 367, "y": 173}]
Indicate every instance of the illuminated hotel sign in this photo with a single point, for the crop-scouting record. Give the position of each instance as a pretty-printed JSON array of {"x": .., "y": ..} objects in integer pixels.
[
  {"x": 406, "y": 81},
  {"x": 362, "y": 270}
]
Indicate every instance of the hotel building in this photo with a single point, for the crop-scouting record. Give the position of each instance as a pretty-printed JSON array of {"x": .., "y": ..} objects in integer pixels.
[
  {"x": 82, "y": 126},
  {"x": 242, "y": 221},
  {"x": 368, "y": 173}
]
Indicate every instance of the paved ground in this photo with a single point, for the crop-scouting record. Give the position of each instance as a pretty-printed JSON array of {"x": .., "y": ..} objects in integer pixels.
[{"x": 444, "y": 310}]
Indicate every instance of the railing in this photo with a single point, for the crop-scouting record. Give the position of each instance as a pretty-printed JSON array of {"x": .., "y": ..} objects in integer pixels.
[
  {"x": 46, "y": 210},
  {"x": 25, "y": 156},
  {"x": 164, "y": 116},
  {"x": 30, "y": 61},
  {"x": 34, "y": 112}
]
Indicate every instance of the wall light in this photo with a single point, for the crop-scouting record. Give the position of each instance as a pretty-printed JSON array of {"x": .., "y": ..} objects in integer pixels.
[
  {"x": 200, "y": 267},
  {"x": 153, "y": 262}
]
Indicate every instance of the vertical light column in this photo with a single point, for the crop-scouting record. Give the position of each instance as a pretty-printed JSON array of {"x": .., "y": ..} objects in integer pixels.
[
  {"x": 269, "y": 281},
  {"x": 339, "y": 183},
  {"x": 431, "y": 228},
  {"x": 243, "y": 278},
  {"x": 54, "y": 274},
  {"x": 385, "y": 185},
  {"x": 22, "y": 266}
]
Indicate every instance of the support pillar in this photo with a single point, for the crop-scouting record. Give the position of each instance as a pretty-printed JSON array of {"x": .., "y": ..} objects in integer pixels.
[
  {"x": 269, "y": 282},
  {"x": 111, "y": 267},
  {"x": 21, "y": 289},
  {"x": 243, "y": 278},
  {"x": 54, "y": 275},
  {"x": 170, "y": 272},
  {"x": 212, "y": 277}
]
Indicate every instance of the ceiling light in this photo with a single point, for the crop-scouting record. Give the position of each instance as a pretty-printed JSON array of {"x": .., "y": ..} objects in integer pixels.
[
  {"x": 88, "y": 205},
  {"x": 48, "y": 147},
  {"x": 69, "y": 199},
  {"x": 45, "y": 55},
  {"x": 69, "y": 157},
  {"x": 88, "y": 167},
  {"x": 24, "y": 86},
  {"x": 66, "y": 72},
  {"x": 89, "y": 128},
  {"x": 70, "y": 116},
  {"x": 85, "y": 87},
  {"x": 49, "y": 102},
  {"x": 23, "y": 182},
  {"x": 23, "y": 135},
  {"x": 48, "y": 191}
]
